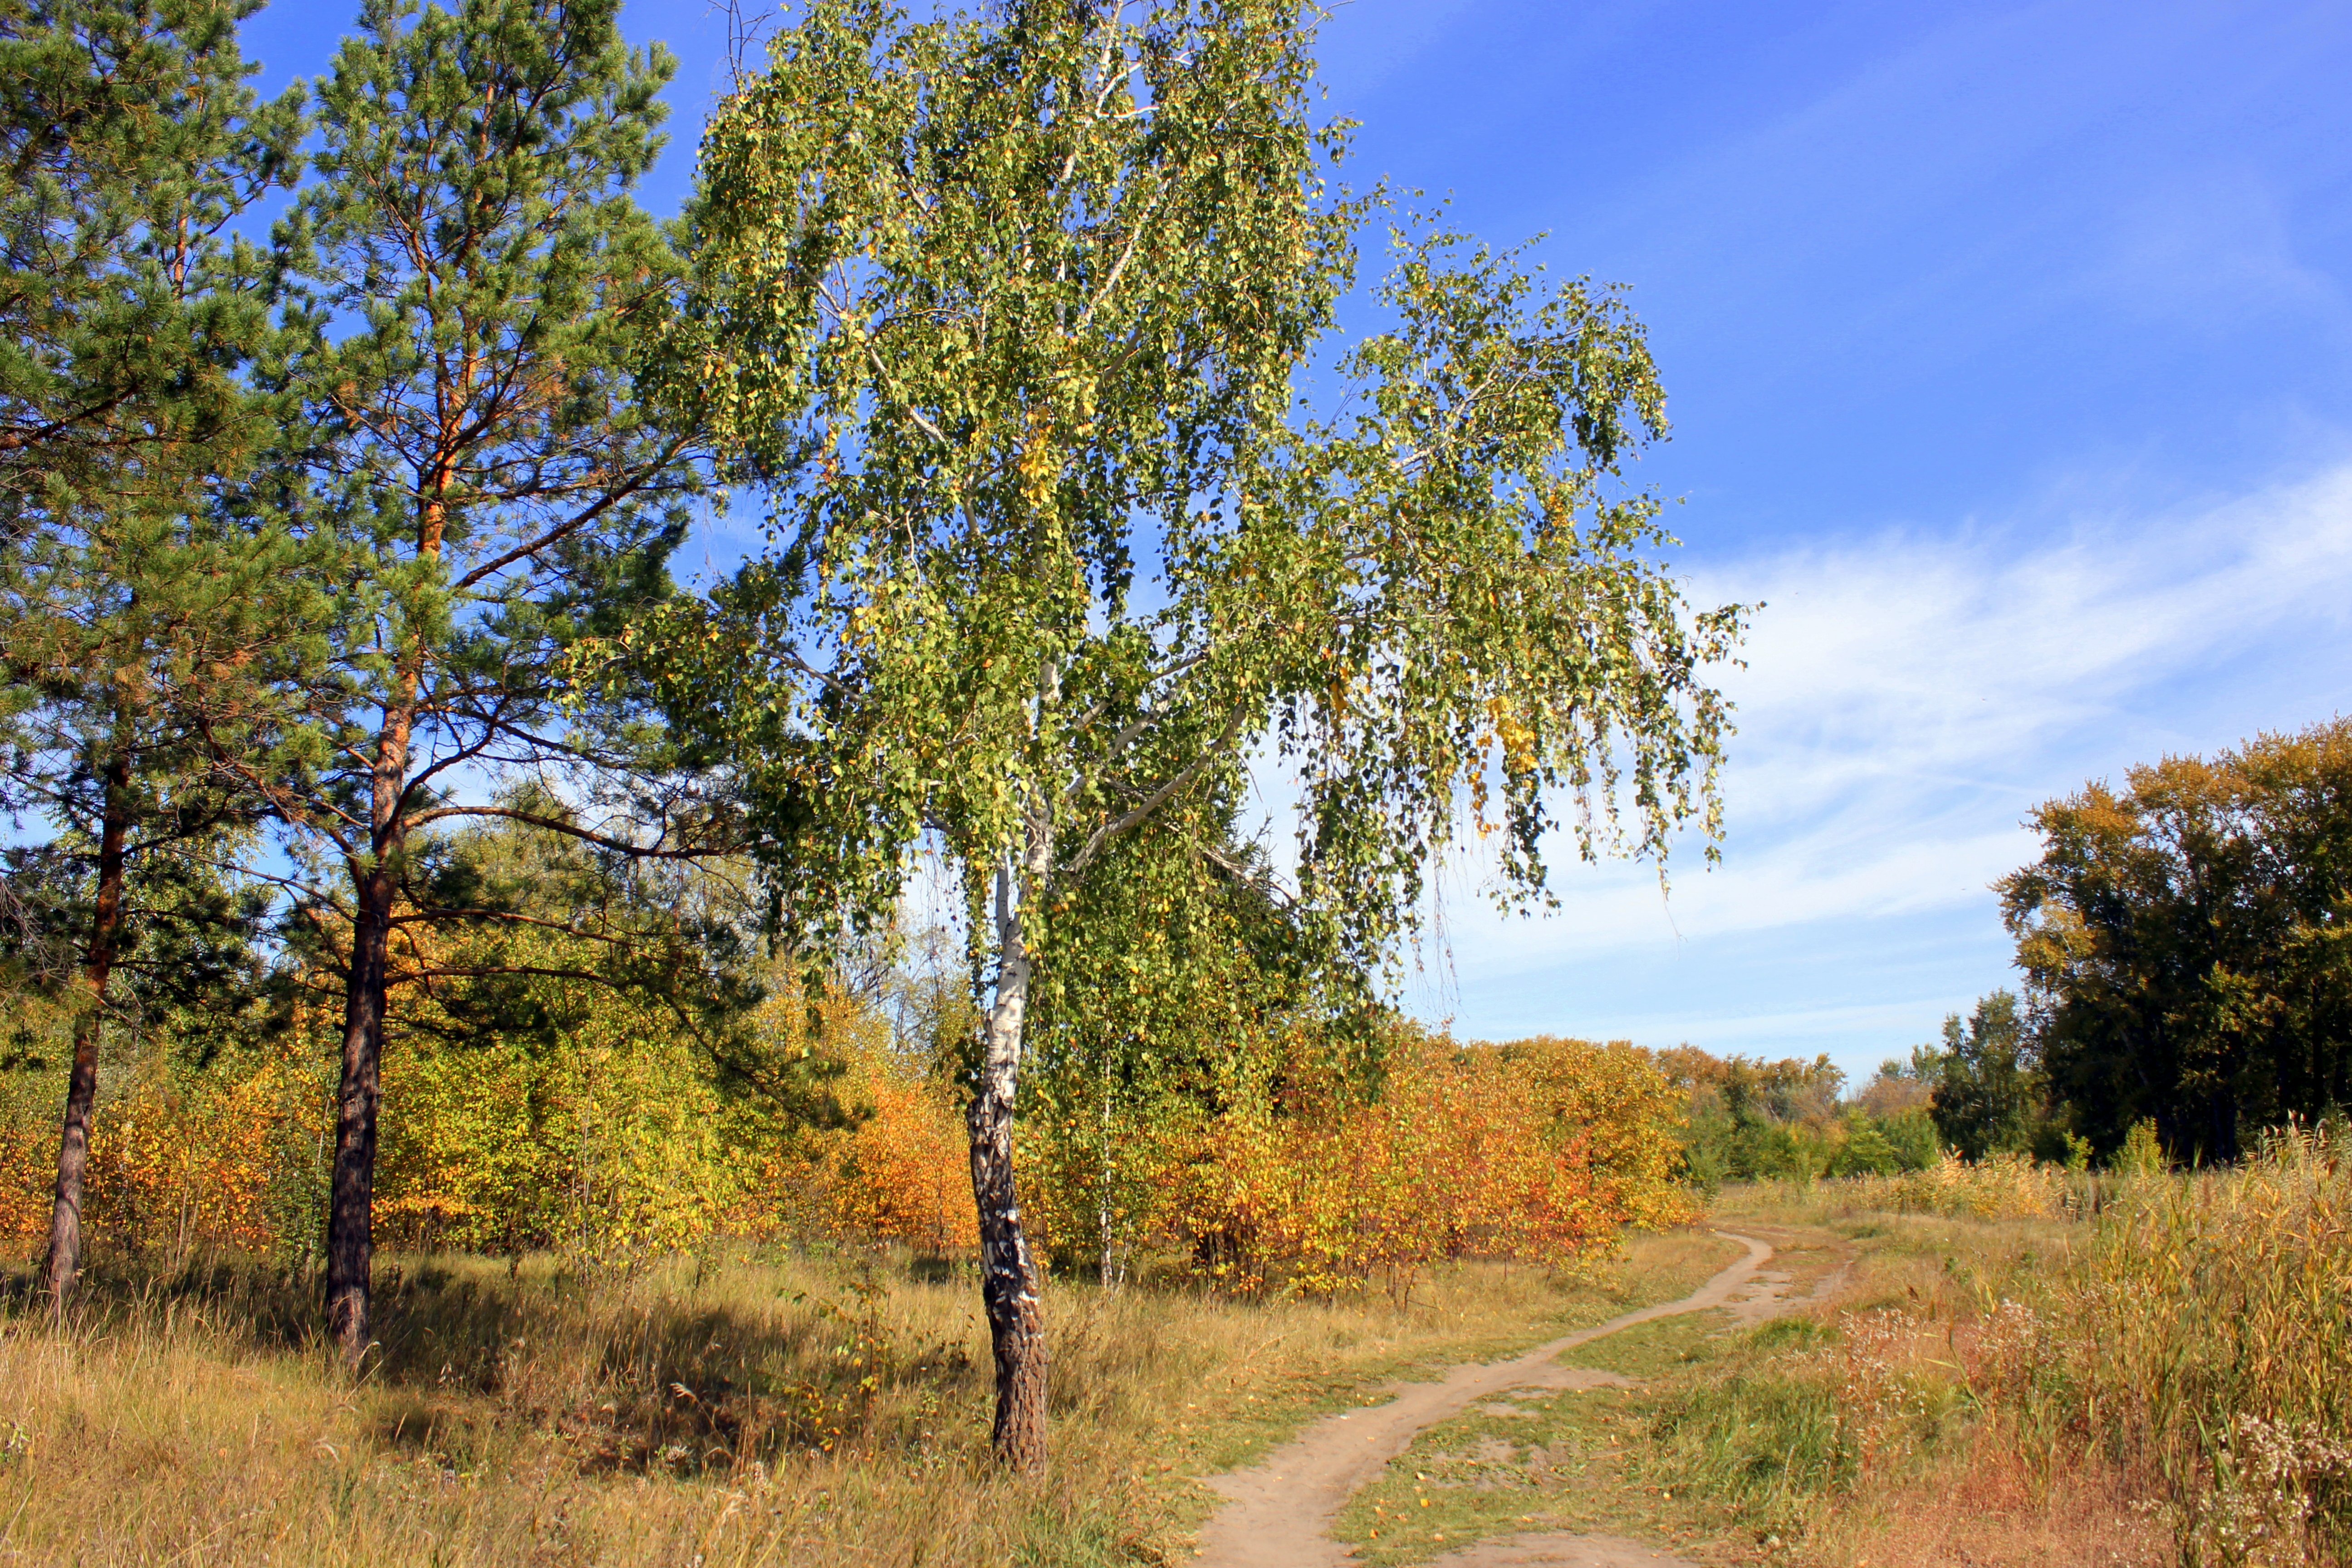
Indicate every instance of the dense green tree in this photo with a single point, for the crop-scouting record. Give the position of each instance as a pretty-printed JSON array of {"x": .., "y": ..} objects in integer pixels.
[
  {"x": 472, "y": 292},
  {"x": 130, "y": 315},
  {"x": 1748, "y": 1118},
  {"x": 2184, "y": 943},
  {"x": 1988, "y": 1093},
  {"x": 1005, "y": 310}
]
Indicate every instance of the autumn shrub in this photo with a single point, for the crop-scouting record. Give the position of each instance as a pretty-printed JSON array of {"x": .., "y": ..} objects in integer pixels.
[
  {"x": 28, "y": 1163},
  {"x": 1627, "y": 1113},
  {"x": 1278, "y": 1173},
  {"x": 179, "y": 1160},
  {"x": 1103, "y": 1176},
  {"x": 609, "y": 1144},
  {"x": 1480, "y": 1153},
  {"x": 546, "y": 1097},
  {"x": 604, "y": 1133},
  {"x": 179, "y": 1164},
  {"x": 36, "y": 1032},
  {"x": 898, "y": 1169}
]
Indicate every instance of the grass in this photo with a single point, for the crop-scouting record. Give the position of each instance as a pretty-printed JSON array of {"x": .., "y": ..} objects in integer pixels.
[
  {"x": 2178, "y": 1353},
  {"x": 2153, "y": 1378},
  {"x": 802, "y": 1408},
  {"x": 1869, "y": 1431},
  {"x": 2019, "y": 1368}
]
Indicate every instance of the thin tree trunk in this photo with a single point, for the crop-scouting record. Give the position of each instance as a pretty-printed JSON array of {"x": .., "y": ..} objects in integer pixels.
[
  {"x": 351, "y": 1198},
  {"x": 1110, "y": 1271},
  {"x": 1008, "y": 1277},
  {"x": 81, "y": 1087}
]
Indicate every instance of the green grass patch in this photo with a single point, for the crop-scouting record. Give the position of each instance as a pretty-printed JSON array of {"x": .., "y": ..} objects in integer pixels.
[{"x": 1656, "y": 1349}]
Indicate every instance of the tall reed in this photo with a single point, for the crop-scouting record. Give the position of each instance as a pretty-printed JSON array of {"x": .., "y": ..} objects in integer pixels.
[{"x": 2211, "y": 1321}]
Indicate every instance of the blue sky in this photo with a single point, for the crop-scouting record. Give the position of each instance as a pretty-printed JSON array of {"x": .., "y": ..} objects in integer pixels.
[{"x": 2009, "y": 350}]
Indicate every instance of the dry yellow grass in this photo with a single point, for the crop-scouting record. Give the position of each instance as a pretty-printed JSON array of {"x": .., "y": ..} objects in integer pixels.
[
  {"x": 2161, "y": 1380},
  {"x": 802, "y": 1410},
  {"x": 1873, "y": 1432},
  {"x": 2157, "y": 1382},
  {"x": 2006, "y": 1186},
  {"x": 2209, "y": 1338}
]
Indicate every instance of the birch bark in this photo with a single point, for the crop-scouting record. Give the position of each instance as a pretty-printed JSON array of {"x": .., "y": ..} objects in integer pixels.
[{"x": 1008, "y": 1274}]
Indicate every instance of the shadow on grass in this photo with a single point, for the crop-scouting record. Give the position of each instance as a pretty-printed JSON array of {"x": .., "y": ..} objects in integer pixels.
[{"x": 664, "y": 1371}]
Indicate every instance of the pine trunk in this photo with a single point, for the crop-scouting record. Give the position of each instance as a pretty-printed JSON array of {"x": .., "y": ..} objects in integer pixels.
[
  {"x": 81, "y": 1087},
  {"x": 350, "y": 1198},
  {"x": 1008, "y": 1277}
]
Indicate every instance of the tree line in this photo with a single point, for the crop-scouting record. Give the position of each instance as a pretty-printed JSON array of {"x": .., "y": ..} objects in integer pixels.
[{"x": 347, "y": 437}]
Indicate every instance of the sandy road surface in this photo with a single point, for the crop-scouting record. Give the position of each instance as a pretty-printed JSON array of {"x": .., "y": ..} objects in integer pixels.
[{"x": 1279, "y": 1514}]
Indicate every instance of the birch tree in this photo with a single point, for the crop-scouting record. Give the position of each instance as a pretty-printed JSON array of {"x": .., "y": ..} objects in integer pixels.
[{"x": 1004, "y": 310}]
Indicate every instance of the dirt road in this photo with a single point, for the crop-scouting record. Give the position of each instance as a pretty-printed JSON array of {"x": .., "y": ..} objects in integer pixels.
[{"x": 1278, "y": 1513}]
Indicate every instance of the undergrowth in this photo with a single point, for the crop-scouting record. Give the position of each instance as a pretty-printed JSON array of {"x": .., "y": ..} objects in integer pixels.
[
  {"x": 2162, "y": 1377},
  {"x": 2020, "y": 1367}
]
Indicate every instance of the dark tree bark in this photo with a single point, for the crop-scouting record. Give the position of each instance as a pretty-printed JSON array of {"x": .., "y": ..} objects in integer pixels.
[
  {"x": 81, "y": 1087},
  {"x": 350, "y": 1199},
  {"x": 1008, "y": 1284},
  {"x": 351, "y": 1214}
]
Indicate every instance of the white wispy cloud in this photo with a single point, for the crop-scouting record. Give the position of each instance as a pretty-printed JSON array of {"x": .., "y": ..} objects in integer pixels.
[{"x": 1909, "y": 697}]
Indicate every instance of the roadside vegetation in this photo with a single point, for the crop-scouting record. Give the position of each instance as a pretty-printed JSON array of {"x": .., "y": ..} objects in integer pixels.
[{"x": 2014, "y": 1368}]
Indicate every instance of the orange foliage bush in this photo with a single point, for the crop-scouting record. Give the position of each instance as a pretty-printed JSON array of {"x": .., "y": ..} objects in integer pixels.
[
  {"x": 1466, "y": 1152},
  {"x": 1619, "y": 1100},
  {"x": 175, "y": 1163},
  {"x": 174, "y": 1168},
  {"x": 29, "y": 1166},
  {"x": 898, "y": 1172}
]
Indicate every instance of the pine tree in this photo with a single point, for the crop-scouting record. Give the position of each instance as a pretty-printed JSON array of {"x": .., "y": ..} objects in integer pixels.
[
  {"x": 126, "y": 604},
  {"x": 131, "y": 143},
  {"x": 474, "y": 288}
]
